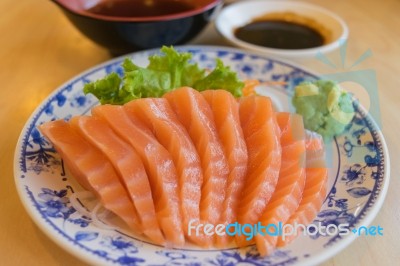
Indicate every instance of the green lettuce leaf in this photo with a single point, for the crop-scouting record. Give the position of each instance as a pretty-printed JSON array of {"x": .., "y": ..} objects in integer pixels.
[
  {"x": 107, "y": 90},
  {"x": 165, "y": 72},
  {"x": 220, "y": 78}
]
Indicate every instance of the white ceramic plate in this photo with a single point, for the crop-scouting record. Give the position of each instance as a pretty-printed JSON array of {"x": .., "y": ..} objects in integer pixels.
[
  {"x": 358, "y": 177},
  {"x": 241, "y": 13}
]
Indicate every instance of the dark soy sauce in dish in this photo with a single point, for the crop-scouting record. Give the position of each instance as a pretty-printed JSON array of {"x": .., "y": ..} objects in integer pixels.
[
  {"x": 280, "y": 34},
  {"x": 140, "y": 8}
]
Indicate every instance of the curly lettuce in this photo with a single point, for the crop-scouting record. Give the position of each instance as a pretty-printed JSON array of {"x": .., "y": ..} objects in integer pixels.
[{"x": 165, "y": 72}]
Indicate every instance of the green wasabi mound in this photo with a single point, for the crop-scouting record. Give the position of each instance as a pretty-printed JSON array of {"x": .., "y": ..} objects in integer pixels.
[{"x": 326, "y": 108}]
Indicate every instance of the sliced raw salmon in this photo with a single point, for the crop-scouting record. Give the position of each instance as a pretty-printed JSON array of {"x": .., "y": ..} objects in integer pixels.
[
  {"x": 89, "y": 165},
  {"x": 132, "y": 172},
  {"x": 196, "y": 116},
  {"x": 158, "y": 116},
  {"x": 262, "y": 136},
  {"x": 315, "y": 186},
  {"x": 156, "y": 159},
  {"x": 225, "y": 109},
  {"x": 289, "y": 189},
  {"x": 165, "y": 165}
]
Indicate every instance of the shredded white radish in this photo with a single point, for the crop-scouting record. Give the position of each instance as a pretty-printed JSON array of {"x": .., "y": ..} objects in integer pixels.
[
  {"x": 83, "y": 202},
  {"x": 78, "y": 205},
  {"x": 97, "y": 217}
]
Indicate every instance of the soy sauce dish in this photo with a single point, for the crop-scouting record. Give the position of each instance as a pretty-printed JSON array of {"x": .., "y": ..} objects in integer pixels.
[{"x": 290, "y": 29}]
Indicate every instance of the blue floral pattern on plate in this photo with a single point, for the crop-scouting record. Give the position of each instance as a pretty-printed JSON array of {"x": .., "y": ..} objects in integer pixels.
[{"x": 357, "y": 177}]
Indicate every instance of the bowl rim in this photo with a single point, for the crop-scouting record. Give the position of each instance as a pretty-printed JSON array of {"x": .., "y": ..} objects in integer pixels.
[
  {"x": 293, "y": 53},
  {"x": 192, "y": 12}
]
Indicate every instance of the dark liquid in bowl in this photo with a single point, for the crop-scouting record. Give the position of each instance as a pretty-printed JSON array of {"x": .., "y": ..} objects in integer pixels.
[
  {"x": 140, "y": 8},
  {"x": 280, "y": 34}
]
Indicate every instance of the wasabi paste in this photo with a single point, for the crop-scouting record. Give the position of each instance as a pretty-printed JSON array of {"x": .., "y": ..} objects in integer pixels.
[{"x": 326, "y": 108}]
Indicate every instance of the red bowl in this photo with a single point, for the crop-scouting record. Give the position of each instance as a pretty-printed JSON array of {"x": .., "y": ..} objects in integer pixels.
[{"x": 127, "y": 34}]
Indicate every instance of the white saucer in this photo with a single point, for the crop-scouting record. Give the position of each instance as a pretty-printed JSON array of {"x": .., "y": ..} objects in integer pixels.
[{"x": 241, "y": 13}]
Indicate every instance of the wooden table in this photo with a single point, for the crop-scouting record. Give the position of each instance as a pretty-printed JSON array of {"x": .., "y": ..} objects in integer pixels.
[{"x": 40, "y": 50}]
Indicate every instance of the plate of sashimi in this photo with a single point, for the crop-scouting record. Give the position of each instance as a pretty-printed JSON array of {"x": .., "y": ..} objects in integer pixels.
[{"x": 201, "y": 155}]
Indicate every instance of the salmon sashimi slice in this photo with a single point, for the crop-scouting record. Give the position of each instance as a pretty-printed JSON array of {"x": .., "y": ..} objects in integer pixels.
[
  {"x": 196, "y": 116},
  {"x": 315, "y": 187},
  {"x": 225, "y": 109},
  {"x": 88, "y": 163},
  {"x": 262, "y": 136},
  {"x": 158, "y": 116},
  {"x": 157, "y": 161},
  {"x": 130, "y": 169},
  {"x": 288, "y": 192}
]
